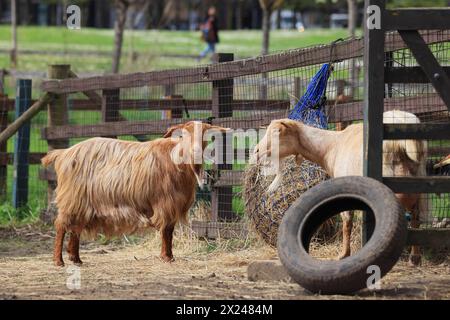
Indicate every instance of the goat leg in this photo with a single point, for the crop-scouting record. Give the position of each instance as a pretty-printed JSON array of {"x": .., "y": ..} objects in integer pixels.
[
  {"x": 59, "y": 242},
  {"x": 415, "y": 256},
  {"x": 166, "y": 247},
  {"x": 73, "y": 248},
  {"x": 347, "y": 226}
]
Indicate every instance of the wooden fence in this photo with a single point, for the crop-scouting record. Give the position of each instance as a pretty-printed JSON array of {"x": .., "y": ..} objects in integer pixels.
[{"x": 102, "y": 94}]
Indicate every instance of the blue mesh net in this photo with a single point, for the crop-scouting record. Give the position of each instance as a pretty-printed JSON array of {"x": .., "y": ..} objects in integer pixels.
[{"x": 310, "y": 109}]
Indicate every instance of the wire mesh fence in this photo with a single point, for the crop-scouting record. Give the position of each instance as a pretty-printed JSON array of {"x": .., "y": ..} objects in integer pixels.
[
  {"x": 420, "y": 98},
  {"x": 244, "y": 95}
]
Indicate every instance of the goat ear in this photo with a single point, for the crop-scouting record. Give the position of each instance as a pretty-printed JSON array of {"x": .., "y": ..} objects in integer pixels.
[
  {"x": 218, "y": 128},
  {"x": 170, "y": 131},
  {"x": 290, "y": 125},
  {"x": 284, "y": 125}
]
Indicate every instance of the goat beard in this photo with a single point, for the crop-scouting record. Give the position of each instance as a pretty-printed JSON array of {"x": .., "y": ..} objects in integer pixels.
[
  {"x": 182, "y": 154},
  {"x": 199, "y": 174}
]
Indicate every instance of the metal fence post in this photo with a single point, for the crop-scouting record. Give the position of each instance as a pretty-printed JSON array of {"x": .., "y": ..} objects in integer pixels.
[
  {"x": 3, "y": 125},
  {"x": 21, "y": 146}
]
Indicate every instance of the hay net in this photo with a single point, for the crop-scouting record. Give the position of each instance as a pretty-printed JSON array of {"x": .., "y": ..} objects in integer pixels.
[{"x": 266, "y": 210}]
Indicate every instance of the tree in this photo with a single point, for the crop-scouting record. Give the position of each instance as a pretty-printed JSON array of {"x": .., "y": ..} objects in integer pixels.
[
  {"x": 352, "y": 17},
  {"x": 267, "y": 6},
  {"x": 14, "y": 34},
  {"x": 119, "y": 26}
]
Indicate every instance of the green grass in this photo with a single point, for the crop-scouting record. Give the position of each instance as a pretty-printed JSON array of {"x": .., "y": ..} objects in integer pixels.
[
  {"x": 242, "y": 43},
  {"x": 153, "y": 46},
  {"x": 9, "y": 216}
]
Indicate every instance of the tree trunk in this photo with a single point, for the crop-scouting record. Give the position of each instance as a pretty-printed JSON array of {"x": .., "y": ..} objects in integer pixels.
[
  {"x": 119, "y": 26},
  {"x": 278, "y": 19},
  {"x": 229, "y": 12},
  {"x": 266, "y": 31},
  {"x": 24, "y": 12},
  {"x": 177, "y": 15},
  {"x": 14, "y": 34},
  {"x": 239, "y": 15},
  {"x": 351, "y": 17}
]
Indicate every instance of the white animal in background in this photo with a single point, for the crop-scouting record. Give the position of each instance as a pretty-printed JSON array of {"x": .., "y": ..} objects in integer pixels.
[{"x": 340, "y": 153}]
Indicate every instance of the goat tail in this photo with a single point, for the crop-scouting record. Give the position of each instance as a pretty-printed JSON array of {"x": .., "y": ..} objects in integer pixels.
[
  {"x": 415, "y": 150},
  {"x": 51, "y": 157}
]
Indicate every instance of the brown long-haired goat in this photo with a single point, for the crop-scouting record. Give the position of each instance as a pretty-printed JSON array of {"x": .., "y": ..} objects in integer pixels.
[{"x": 118, "y": 187}]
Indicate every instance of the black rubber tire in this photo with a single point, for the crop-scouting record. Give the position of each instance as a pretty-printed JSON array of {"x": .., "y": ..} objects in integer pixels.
[{"x": 325, "y": 200}]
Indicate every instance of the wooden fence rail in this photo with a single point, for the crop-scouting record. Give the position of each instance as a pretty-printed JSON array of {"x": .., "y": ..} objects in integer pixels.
[
  {"x": 343, "y": 112},
  {"x": 263, "y": 64},
  {"x": 170, "y": 104}
]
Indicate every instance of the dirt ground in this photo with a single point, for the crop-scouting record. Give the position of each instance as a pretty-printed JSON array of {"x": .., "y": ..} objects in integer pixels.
[{"x": 131, "y": 269}]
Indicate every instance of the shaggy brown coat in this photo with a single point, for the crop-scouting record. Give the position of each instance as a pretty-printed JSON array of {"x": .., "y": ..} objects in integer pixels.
[{"x": 119, "y": 187}]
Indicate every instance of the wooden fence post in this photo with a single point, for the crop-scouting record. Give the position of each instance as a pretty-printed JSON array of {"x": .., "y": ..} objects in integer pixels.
[
  {"x": 3, "y": 125},
  {"x": 21, "y": 146},
  {"x": 169, "y": 93},
  {"x": 57, "y": 116},
  {"x": 389, "y": 58},
  {"x": 263, "y": 87},
  {"x": 373, "y": 105},
  {"x": 111, "y": 106},
  {"x": 222, "y": 106},
  {"x": 2, "y": 82},
  {"x": 296, "y": 94},
  {"x": 339, "y": 99}
]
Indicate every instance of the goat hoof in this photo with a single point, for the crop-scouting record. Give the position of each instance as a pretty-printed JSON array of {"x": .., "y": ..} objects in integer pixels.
[
  {"x": 414, "y": 260},
  {"x": 167, "y": 259},
  {"x": 76, "y": 260},
  {"x": 59, "y": 263}
]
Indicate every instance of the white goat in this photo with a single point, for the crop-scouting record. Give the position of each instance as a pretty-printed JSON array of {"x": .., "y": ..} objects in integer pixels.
[{"x": 340, "y": 153}]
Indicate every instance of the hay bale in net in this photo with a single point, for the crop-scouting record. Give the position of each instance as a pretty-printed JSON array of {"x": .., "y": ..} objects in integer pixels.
[{"x": 266, "y": 210}]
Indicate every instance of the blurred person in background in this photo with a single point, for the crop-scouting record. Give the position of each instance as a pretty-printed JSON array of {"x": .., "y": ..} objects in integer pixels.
[{"x": 209, "y": 33}]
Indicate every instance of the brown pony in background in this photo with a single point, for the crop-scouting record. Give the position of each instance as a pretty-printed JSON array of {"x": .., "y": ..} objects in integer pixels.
[{"x": 119, "y": 187}]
